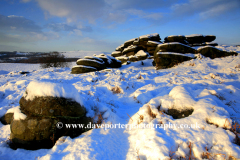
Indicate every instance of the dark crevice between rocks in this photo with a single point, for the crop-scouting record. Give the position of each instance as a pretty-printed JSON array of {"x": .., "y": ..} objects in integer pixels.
[
  {"x": 7, "y": 118},
  {"x": 177, "y": 114}
]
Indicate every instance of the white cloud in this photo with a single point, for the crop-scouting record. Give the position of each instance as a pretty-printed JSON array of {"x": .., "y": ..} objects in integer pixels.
[
  {"x": 25, "y": 1},
  {"x": 18, "y": 23},
  {"x": 87, "y": 40},
  {"x": 74, "y": 9},
  {"x": 109, "y": 11},
  {"x": 27, "y": 38},
  {"x": 218, "y": 10},
  {"x": 77, "y": 32},
  {"x": 154, "y": 16},
  {"x": 204, "y": 8},
  {"x": 17, "y": 29},
  {"x": 140, "y": 4}
]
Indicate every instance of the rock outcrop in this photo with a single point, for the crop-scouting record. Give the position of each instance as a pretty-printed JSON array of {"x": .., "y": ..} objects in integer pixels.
[
  {"x": 95, "y": 63},
  {"x": 212, "y": 52},
  {"x": 174, "y": 50},
  {"x": 169, "y": 59},
  {"x": 44, "y": 120},
  {"x": 146, "y": 44}
]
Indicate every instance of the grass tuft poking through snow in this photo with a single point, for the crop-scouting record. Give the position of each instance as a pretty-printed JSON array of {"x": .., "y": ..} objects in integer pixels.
[{"x": 116, "y": 90}]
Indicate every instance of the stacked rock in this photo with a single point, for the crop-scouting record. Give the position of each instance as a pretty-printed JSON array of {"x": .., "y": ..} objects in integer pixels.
[
  {"x": 95, "y": 63},
  {"x": 174, "y": 50},
  {"x": 169, "y": 54},
  {"x": 192, "y": 40},
  {"x": 137, "y": 49},
  {"x": 44, "y": 118}
]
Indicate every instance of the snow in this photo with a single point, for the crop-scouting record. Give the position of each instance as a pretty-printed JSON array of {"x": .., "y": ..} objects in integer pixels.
[
  {"x": 201, "y": 47},
  {"x": 194, "y": 35},
  {"x": 116, "y": 52},
  {"x": 90, "y": 60},
  {"x": 153, "y": 42},
  {"x": 141, "y": 53},
  {"x": 43, "y": 89},
  {"x": 149, "y": 35},
  {"x": 176, "y": 36},
  {"x": 83, "y": 66},
  {"x": 211, "y": 87},
  {"x": 15, "y": 67},
  {"x": 17, "y": 113},
  {"x": 109, "y": 58},
  {"x": 129, "y": 48},
  {"x": 185, "y": 54},
  {"x": 172, "y": 43},
  {"x": 131, "y": 40}
]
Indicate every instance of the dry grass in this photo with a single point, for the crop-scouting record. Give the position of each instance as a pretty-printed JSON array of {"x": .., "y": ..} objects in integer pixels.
[
  {"x": 140, "y": 77},
  {"x": 150, "y": 112},
  {"x": 211, "y": 123},
  {"x": 219, "y": 96},
  {"x": 98, "y": 115},
  {"x": 230, "y": 103},
  {"x": 122, "y": 79},
  {"x": 171, "y": 155},
  {"x": 141, "y": 117},
  {"x": 191, "y": 64},
  {"x": 138, "y": 158},
  {"x": 52, "y": 138},
  {"x": 116, "y": 90},
  {"x": 190, "y": 151},
  {"x": 237, "y": 66},
  {"x": 130, "y": 117},
  {"x": 135, "y": 98}
]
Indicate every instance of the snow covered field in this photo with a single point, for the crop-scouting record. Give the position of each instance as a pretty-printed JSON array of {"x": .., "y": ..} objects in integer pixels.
[{"x": 211, "y": 88}]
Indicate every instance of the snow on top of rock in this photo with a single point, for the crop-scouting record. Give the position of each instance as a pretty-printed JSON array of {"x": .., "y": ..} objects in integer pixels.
[
  {"x": 194, "y": 35},
  {"x": 149, "y": 35},
  {"x": 129, "y": 48},
  {"x": 180, "y": 54},
  {"x": 172, "y": 43},
  {"x": 109, "y": 58},
  {"x": 141, "y": 53},
  {"x": 132, "y": 56},
  {"x": 208, "y": 35},
  {"x": 18, "y": 115},
  {"x": 93, "y": 57},
  {"x": 153, "y": 42},
  {"x": 116, "y": 52},
  {"x": 42, "y": 89},
  {"x": 210, "y": 42},
  {"x": 122, "y": 57},
  {"x": 176, "y": 36},
  {"x": 90, "y": 60},
  {"x": 83, "y": 66},
  {"x": 131, "y": 40},
  {"x": 182, "y": 98},
  {"x": 206, "y": 47}
]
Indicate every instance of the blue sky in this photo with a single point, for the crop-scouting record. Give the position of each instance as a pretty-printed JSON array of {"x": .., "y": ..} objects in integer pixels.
[{"x": 102, "y": 25}]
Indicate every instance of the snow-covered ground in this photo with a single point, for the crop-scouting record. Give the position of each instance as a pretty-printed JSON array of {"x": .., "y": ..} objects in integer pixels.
[{"x": 210, "y": 87}]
